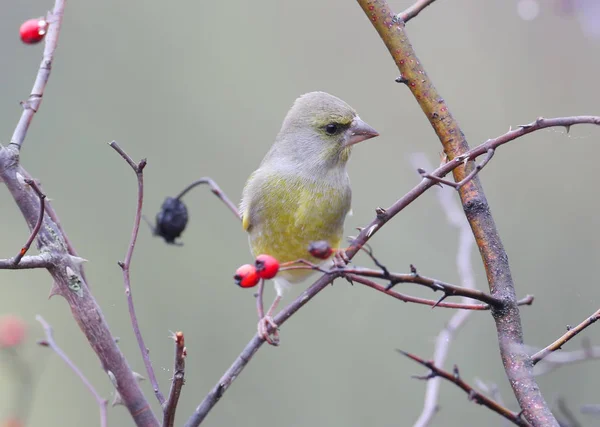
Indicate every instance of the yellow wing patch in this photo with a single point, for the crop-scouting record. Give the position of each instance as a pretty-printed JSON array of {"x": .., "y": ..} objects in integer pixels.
[{"x": 246, "y": 220}]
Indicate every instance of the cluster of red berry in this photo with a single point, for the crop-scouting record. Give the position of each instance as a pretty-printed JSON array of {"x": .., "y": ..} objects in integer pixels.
[
  {"x": 248, "y": 275},
  {"x": 33, "y": 30},
  {"x": 266, "y": 267}
]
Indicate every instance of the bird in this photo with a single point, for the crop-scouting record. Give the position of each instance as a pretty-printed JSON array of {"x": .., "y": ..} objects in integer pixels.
[{"x": 301, "y": 191}]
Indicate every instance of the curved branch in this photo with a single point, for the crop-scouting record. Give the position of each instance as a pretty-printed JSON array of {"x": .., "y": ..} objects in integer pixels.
[{"x": 126, "y": 264}]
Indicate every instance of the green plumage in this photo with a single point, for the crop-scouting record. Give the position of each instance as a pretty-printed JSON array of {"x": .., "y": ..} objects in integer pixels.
[{"x": 301, "y": 191}]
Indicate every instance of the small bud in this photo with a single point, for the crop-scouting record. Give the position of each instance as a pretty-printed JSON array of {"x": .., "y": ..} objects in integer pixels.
[
  {"x": 266, "y": 266},
  {"x": 33, "y": 30},
  {"x": 171, "y": 220},
  {"x": 246, "y": 276},
  {"x": 320, "y": 249}
]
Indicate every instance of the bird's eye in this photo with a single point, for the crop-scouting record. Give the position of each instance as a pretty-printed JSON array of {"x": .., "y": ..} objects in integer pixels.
[{"x": 331, "y": 128}]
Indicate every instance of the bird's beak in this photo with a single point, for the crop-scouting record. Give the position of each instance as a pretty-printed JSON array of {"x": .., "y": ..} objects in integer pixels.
[{"x": 359, "y": 131}]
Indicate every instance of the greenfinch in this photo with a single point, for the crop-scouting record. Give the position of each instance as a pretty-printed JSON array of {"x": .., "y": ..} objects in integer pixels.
[{"x": 301, "y": 191}]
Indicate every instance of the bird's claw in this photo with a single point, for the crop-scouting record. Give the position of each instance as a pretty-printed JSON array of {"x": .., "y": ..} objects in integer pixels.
[
  {"x": 268, "y": 330},
  {"x": 340, "y": 259}
]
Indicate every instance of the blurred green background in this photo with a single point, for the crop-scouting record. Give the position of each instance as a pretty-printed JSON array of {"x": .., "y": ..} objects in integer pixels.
[{"x": 201, "y": 89}]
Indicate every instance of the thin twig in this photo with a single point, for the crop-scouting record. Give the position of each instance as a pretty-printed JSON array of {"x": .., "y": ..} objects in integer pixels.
[
  {"x": 433, "y": 284},
  {"x": 474, "y": 395},
  {"x": 216, "y": 191},
  {"x": 38, "y": 224},
  {"x": 456, "y": 218},
  {"x": 556, "y": 345},
  {"x": 469, "y": 177},
  {"x": 32, "y": 105},
  {"x": 125, "y": 266},
  {"x": 49, "y": 342},
  {"x": 170, "y": 405},
  {"x": 413, "y": 11},
  {"x": 555, "y": 360},
  {"x": 27, "y": 262},
  {"x": 528, "y": 300}
]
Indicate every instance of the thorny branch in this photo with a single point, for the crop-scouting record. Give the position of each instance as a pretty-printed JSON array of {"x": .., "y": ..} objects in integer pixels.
[
  {"x": 382, "y": 217},
  {"x": 58, "y": 255},
  {"x": 125, "y": 266},
  {"x": 464, "y": 265},
  {"x": 49, "y": 342},
  {"x": 517, "y": 363},
  {"x": 474, "y": 395}
]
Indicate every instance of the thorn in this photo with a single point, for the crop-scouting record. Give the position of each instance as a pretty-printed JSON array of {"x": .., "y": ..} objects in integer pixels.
[
  {"x": 390, "y": 286},
  {"x": 456, "y": 372},
  {"x": 472, "y": 395},
  {"x": 117, "y": 400},
  {"x": 121, "y": 264},
  {"x": 138, "y": 377},
  {"x": 54, "y": 290},
  {"x": 381, "y": 213},
  {"x": 371, "y": 230},
  {"x": 439, "y": 301},
  {"x": 413, "y": 270},
  {"x": 77, "y": 260},
  {"x": 401, "y": 79},
  {"x": 21, "y": 180},
  {"x": 568, "y": 129}
]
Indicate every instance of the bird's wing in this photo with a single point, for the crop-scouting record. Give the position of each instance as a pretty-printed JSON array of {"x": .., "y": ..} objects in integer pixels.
[{"x": 249, "y": 199}]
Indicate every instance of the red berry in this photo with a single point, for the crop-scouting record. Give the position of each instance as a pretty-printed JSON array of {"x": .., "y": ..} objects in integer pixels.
[
  {"x": 320, "y": 249},
  {"x": 33, "y": 30},
  {"x": 246, "y": 276},
  {"x": 266, "y": 266},
  {"x": 12, "y": 331}
]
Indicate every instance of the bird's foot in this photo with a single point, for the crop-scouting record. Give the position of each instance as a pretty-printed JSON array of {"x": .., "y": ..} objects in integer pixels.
[
  {"x": 268, "y": 330},
  {"x": 340, "y": 259}
]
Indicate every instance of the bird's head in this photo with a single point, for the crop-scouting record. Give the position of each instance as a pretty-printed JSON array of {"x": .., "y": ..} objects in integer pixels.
[{"x": 320, "y": 129}]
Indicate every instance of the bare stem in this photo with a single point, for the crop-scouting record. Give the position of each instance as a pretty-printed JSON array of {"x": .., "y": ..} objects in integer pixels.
[
  {"x": 413, "y": 11},
  {"x": 464, "y": 265},
  {"x": 49, "y": 342},
  {"x": 556, "y": 345},
  {"x": 26, "y": 263},
  {"x": 474, "y": 395},
  {"x": 126, "y": 264},
  {"x": 216, "y": 191},
  {"x": 170, "y": 405},
  {"x": 38, "y": 224},
  {"x": 469, "y": 177},
  {"x": 32, "y": 105}
]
